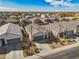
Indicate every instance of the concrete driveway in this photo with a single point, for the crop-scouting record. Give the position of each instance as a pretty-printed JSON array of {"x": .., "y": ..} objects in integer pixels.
[
  {"x": 14, "y": 51},
  {"x": 43, "y": 46}
]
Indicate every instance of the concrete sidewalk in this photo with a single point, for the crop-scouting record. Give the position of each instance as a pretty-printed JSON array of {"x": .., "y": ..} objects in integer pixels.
[{"x": 38, "y": 56}]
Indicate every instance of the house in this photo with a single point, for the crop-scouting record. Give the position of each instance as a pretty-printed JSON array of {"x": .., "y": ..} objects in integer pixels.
[
  {"x": 24, "y": 21},
  {"x": 13, "y": 19},
  {"x": 43, "y": 19},
  {"x": 36, "y": 20},
  {"x": 69, "y": 18},
  {"x": 10, "y": 33},
  {"x": 49, "y": 20},
  {"x": 63, "y": 27},
  {"x": 43, "y": 15},
  {"x": 36, "y": 32},
  {"x": 2, "y": 20}
]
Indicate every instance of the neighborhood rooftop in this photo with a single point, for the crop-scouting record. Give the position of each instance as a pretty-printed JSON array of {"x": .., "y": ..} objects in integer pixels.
[
  {"x": 35, "y": 28},
  {"x": 62, "y": 26},
  {"x": 10, "y": 28}
]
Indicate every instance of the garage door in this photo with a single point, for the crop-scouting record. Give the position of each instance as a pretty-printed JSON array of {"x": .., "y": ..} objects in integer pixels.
[{"x": 13, "y": 41}]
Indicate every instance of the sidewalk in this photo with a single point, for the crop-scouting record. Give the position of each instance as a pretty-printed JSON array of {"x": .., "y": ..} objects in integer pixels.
[{"x": 52, "y": 51}]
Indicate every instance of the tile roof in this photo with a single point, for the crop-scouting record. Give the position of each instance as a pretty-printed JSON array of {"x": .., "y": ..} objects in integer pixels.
[
  {"x": 62, "y": 26},
  {"x": 10, "y": 28},
  {"x": 35, "y": 28}
]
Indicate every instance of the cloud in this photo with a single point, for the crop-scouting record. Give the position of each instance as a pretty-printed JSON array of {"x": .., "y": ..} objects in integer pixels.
[
  {"x": 7, "y": 9},
  {"x": 48, "y": 0},
  {"x": 61, "y": 2},
  {"x": 11, "y": 9},
  {"x": 28, "y": 9}
]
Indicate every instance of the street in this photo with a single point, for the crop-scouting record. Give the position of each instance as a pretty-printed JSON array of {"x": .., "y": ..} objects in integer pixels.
[{"x": 68, "y": 54}]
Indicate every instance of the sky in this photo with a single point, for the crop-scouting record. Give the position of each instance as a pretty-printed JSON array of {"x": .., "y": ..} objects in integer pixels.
[{"x": 40, "y": 5}]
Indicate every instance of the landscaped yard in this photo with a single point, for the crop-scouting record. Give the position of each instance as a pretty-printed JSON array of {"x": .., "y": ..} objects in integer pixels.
[
  {"x": 29, "y": 48},
  {"x": 61, "y": 43}
]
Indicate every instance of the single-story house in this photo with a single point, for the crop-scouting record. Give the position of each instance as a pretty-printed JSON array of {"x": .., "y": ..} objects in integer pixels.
[
  {"x": 10, "y": 32},
  {"x": 49, "y": 20},
  {"x": 2, "y": 20},
  {"x": 35, "y": 20},
  {"x": 36, "y": 32},
  {"x": 70, "y": 18},
  {"x": 24, "y": 21},
  {"x": 13, "y": 19},
  {"x": 43, "y": 19},
  {"x": 64, "y": 27}
]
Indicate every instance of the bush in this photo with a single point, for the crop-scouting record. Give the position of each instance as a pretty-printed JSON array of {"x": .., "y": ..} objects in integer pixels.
[
  {"x": 65, "y": 37},
  {"x": 37, "y": 50}
]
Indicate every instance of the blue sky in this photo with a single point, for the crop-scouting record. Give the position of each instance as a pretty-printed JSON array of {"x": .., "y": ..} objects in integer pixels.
[{"x": 39, "y": 5}]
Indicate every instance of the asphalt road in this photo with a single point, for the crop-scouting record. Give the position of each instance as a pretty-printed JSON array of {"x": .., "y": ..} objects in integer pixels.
[{"x": 68, "y": 54}]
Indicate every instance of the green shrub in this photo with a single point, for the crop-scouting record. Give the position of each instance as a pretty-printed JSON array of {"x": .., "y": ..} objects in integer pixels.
[{"x": 65, "y": 37}]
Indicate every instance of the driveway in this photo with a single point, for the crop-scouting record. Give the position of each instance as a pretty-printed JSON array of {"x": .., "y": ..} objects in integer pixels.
[
  {"x": 14, "y": 51},
  {"x": 43, "y": 46}
]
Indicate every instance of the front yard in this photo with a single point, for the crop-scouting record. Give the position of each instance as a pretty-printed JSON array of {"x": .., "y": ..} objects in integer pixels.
[
  {"x": 29, "y": 48},
  {"x": 61, "y": 43}
]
